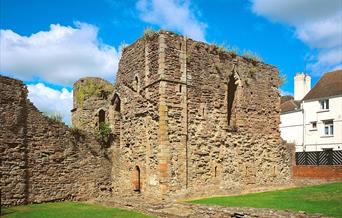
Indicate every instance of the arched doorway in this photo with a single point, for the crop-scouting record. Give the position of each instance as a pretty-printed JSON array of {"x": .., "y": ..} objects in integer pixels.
[
  {"x": 102, "y": 116},
  {"x": 136, "y": 179}
]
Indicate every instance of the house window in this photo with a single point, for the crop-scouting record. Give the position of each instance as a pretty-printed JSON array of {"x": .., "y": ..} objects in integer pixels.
[
  {"x": 314, "y": 125},
  {"x": 328, "y": 127},
  {"x": 324, "y": 104}
]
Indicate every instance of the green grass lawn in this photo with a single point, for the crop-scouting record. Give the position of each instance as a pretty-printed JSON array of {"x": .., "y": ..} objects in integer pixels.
[
  {"x": 67, "y": 210},
  {"x": 325, "y": 199}
]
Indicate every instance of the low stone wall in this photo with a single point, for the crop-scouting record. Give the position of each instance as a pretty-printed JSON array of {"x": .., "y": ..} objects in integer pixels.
[
  {"x": 317, "y": 172},
  {"x": 42, "y": 159}
]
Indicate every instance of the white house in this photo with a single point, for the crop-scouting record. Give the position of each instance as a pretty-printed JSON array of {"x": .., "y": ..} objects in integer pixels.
[{"x": 313, "y": 119}]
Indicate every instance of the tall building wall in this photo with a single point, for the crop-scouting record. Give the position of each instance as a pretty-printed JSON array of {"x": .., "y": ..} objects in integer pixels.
[
  {"x": 192, "y": 116},
  {"x": 204, "y": 148}
]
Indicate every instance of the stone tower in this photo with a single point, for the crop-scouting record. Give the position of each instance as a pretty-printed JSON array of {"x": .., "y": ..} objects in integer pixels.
[
  {"x": 189, "y": 118},
  {"x": 302, "y": 85},
  {"x": 90, "y": 102}
]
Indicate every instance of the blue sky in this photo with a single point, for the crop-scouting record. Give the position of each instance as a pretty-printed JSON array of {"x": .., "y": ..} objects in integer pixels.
[{"x": 50, "y": 44}]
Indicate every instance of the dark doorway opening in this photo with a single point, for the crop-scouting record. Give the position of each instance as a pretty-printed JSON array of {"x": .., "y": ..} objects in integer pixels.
[
  {"x": 136, "y": 181},
  {"x": 102, "y": 116},
  {"x": 231, "y": 100}
]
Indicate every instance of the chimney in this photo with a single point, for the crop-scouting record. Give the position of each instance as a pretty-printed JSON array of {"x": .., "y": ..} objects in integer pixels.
[{"x": 302, "y": 85}]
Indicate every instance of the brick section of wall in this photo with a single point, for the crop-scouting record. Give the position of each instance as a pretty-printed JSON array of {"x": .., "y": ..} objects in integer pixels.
[
  {"x": 317, "y": 172},
  {"x": 43, "y": 160}
]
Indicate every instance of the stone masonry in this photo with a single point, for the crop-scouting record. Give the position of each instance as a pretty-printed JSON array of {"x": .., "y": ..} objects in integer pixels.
[
  {"x": 42, "y": 159},
  {"x": 187, "y": 119}
]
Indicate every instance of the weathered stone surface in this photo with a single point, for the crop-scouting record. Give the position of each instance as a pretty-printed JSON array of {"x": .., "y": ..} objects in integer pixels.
[
  {"x": 41, "y": 159},
  {"x": 189, "y": 119},
  {"x": 186, "y": 118}
]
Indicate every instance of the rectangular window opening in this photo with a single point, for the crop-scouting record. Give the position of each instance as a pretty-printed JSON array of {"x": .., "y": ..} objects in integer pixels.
[
  {"x": 328, "y": 127},
  {"x": 324, "y": 104}
]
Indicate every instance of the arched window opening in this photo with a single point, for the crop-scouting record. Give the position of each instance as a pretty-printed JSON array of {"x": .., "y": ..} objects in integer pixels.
[
  {"x": 116, "y": 102},
  {"x": 136, "y": 181},
  {"x": 231, "y": 100},
  {"x": 102, "y": 116},
  {"x": 116, "y": 119}
]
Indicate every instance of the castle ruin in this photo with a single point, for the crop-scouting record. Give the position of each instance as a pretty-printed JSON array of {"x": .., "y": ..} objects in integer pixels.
[{"x": 186, "y": 117}]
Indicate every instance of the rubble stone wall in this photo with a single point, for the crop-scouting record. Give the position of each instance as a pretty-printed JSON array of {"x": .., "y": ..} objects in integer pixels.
[
  {"x": 42, "y": 159},
  {"x": 135, "y": 150},
  {"x": 193, "y": 119},
  {"x": 204, "y": 149},
  {"x": 90, "y": 96}
]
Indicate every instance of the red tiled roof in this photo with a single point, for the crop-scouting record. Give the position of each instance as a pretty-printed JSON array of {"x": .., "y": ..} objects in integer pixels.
[
  {"x": 330, "y": 84},
  {"x": 289, "y": 105}
]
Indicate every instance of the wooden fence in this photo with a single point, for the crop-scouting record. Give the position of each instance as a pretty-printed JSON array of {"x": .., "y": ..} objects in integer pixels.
[{"x": 329, "y": 157}]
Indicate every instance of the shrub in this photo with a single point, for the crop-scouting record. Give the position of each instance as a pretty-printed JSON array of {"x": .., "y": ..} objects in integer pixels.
[
  {"x": 222, "y": 48},
  {"x": 252, "y": 56},
  {"x": 123, "y": 45},
  {"x": 233, "y": 51},
  {"x": 103, "y": 133},
  {"x": 54, "y": 116},
  {"x": 148, "y": 33},
  {"x": 75, "y": 130},
  {"x": 282, "y": 79}
]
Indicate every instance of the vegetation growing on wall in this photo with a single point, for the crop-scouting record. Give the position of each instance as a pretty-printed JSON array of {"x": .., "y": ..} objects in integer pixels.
[
  {"x": 90, "y": 88},
  {"x": 252, "y": 56},
  {"x": 148, "y": 33},
  {"x": 282, "y": 79},
  {"x": 54, "y": 116},
  {"x": 103, "y": 133}
]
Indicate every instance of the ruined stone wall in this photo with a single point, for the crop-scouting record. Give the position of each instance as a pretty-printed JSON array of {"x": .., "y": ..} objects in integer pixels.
[
  {"x": 137, "y": 146},
  {"x": 202, "y": 149},
  {"x": 90, "y": 96},
  {"x": 44, "y": 160},
  {"x": 193, "y": 119},
  {"x": 13, "y": 141}
]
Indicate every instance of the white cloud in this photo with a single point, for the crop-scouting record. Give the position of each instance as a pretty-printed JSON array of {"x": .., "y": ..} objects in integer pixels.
[
  {"x": 296, "y": 11},
  {"x": 61, "y": 55},
  {"x": 318, "y": 23},
  {"x": 172, "y": 14},
  {"x": 51, "y": 100}
]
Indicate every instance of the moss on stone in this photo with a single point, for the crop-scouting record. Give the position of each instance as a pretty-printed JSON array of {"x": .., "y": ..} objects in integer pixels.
[{"x": 92, "y": 88}]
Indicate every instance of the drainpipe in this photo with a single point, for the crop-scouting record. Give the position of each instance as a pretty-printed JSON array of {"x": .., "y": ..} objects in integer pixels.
[{"x": 303, "y": 112}]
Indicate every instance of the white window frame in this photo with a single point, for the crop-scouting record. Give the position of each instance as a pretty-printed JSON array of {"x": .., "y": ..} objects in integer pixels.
[
  {"x": 328, "y": 128},
  {"x": 324, "y": 104}
]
